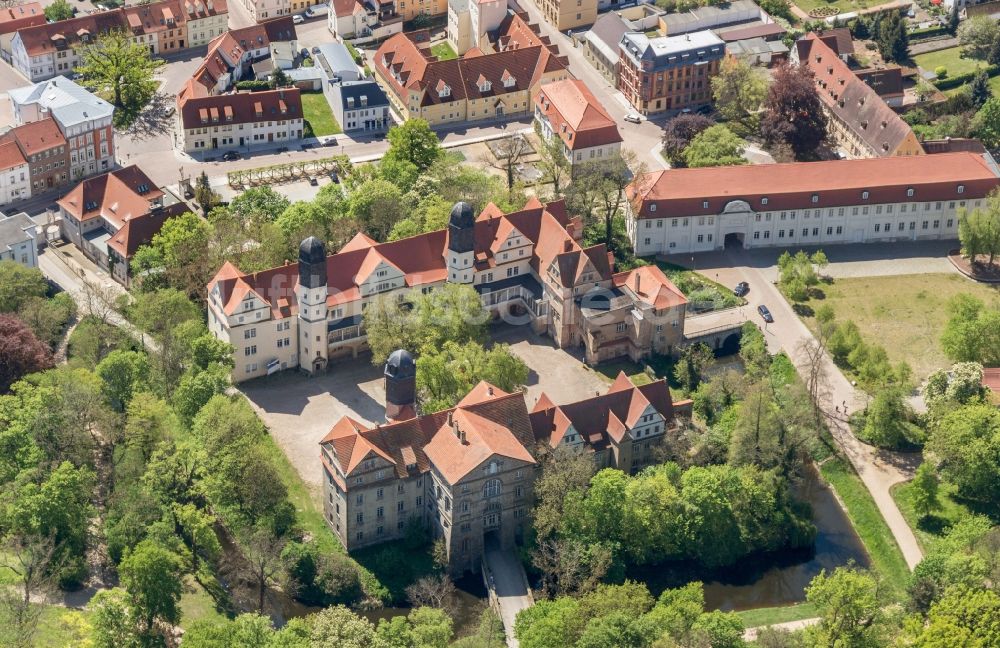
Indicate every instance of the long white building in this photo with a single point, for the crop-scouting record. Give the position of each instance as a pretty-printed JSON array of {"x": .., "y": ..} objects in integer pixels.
[{"x": 807, "y": 203}]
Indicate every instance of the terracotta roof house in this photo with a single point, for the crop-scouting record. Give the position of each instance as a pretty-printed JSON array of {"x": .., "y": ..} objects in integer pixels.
[
  {"x": 862, "y": 124},
  {"x": 109, "y": 216},
  {"x": 269, "y": 117},
  {"x": 568, "y": 110},
  {"x": 15, "y": 180},
  {"x": 807, "y": 203},
  {"x": 45, "y": 148},
  {"x": 43, "y": 51},
  {"x": 525, "y": 262},
  {"x": 29, "y": 14},
  {"x": 471, "y": 88}
]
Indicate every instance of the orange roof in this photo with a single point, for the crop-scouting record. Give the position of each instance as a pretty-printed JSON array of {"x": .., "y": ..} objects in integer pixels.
[
  {"x": 991, "y": 379},
  {"x": 35, "y": 137},
  {"x": 570, "y": 103},
  {"x": 651, "y": 286},
  {"x": 11, "y": 156},
  {"x": 117, "y": 196},
  {"x": 706, "y": 191}
]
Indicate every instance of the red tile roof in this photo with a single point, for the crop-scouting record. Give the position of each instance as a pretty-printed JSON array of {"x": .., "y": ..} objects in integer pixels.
[
  {"x": 11, "y": 156},
  {"x": 576, "y": 115},
  {"x": 651, "y": 286},
  {"x": 246, "y": 107},
  {"x": 117, "y": 196},
  {"x": 36, "y": 136},
  {"x": 140, "y": 230},
  {"x": 21, "y": 16},
  {"x": 487, "y": 423},
  {"x": 835, "y": 183},
  {"x": 991, "y": 379}
]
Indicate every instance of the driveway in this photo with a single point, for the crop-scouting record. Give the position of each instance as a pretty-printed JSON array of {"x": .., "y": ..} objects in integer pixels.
[
  {"x": 878, "y": 469},
  {"x": 300, "y": 410}
]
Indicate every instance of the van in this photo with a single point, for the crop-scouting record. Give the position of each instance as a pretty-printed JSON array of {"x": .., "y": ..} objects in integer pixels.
[{"x": 317, "y": 10}]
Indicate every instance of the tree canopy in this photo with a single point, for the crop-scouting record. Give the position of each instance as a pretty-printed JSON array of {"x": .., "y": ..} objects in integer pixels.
[{"x": 124, "y": 67}]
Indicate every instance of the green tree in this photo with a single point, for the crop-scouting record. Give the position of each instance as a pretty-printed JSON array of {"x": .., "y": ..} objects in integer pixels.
[
  {"x": 168, "y": 315},
  {"x": 849, "y": 605},
  {"x": 149, "y": 422},
  {"x": 925, "y": 490},
  {"x": 415, "y": 142},
  {"x": 976, "y": 35},
  {"x": 59, "y": 10},
  {"x": 739, "y": 90},
  {"x": 715, "y": 146},
  {"x": 204, "y": 195},
  {"x": 48, "y": 317},
  {"x": 388, "y": 327},
  {"x": 19, "y": 284},
  {"x": 678, "y": 133},
  {"x": 259, "y": 203},
  {"x": 338, "y": 626},
  {"x": 598, "y": 191},
  {"x": 890, "y": 36},
  {"x": 986, "y": 124},
  {"x": 972, "y": 333},
  {"x": 196, "y": 388},
  {"x": 245, "y": 631},
  {"x": 552, "y": 161},
  {"x": 178, "y": 256},
  {"x": 963, "y": 617},
  {"x": 961, "y": 384},
  {"x": 887, "y": 419},
  {"x": 965, "y": 444},
  {"x": 196, "y": 528},
  {"x": 793, "y": 114},
  {"x": 979, "y": 230},
  {"x": 690, "y": 368},
  {"x": 124, "y": 67},
  {"x": 278, "y": 79},
  {"x": 979, "y": 89},
  {"x": 124, "y": 373},
  {"x": 377, "y": 205},
  {"x": 446, "y": 374},
  {"x": 430, "y": 627},
  {"x": 151, "y": 576},
  {"x": 115, "y": 621}
]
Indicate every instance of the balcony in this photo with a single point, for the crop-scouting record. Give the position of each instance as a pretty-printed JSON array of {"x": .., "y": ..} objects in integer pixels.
[
  {"x": 349, "y": 328},
  {"x": 521, "y": 288}
]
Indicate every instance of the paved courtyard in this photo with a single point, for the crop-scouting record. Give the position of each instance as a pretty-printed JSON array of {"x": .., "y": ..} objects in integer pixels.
[{"x": 300, "y": 410}]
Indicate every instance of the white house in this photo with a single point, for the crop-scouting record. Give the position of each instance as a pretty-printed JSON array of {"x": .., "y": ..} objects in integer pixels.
[
  {"x": 18, "y": 241},
  {"x": 15, "y": 179}
]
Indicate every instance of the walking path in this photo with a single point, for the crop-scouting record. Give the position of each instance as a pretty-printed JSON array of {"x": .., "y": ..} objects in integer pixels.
[
  {"x": 507, "y": 581},
  {"x": 750, "y": 634},
  {"x": 878, "y": 469}
]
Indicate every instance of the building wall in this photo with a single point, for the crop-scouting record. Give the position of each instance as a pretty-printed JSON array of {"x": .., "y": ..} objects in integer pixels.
[
  {"x": 15, "y": 184},
  {"x": 409, "y": 9},
  {"x": 366, "y": 119},
  {"x": 601, "y": 62},
  {"x": 460, "y": 29},
  {"x": 853, "y": 224},
  {"x": 569, "y": 14},
  {"x": 211, "y": 137},
  {"x": 25, "y": 253},
  {"x": 202, "y": 30},
  {"x": 49, "y": 169},
  {"x": 672, "y": 89}
]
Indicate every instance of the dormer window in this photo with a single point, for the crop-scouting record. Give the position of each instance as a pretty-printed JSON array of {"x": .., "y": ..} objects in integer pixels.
[
  {"x": 484, "y": 84},
  {"x": 961, "y": 189},
  {"x": 763, "y": 201},
  {"x": 909, "y": 192},
  {"x": 508, "y": 79},
  {"x": 652, "y": 207},
  {"x": 143, "y": 188},
  {"x": 815, "y": 198},
  {"x": 864, "y": 195},
  {"x": 443, "y": 89}
]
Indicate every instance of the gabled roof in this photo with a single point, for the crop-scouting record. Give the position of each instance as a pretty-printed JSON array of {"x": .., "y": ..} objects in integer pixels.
[
  {"x": 240, "y": 107},
  {"x": 851, "y": 100},
  {"x": 11, "y": 156},
  {"x": 20, "y": 16},
  {"x": 488, "y": 422},
  {"x": 651, "y": 286},
  {"x": 576, "y": 116},
  {"x": 602, "y": 419},
  {"x": 140, "y": 230},
  {"x": 35, "y": 137},
  {"x": 68, "y": 103}
]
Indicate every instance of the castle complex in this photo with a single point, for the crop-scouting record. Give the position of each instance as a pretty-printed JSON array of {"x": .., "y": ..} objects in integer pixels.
[{"x": 528, "y": 267}]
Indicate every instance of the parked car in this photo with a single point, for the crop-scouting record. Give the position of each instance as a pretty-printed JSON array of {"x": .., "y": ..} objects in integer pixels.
[
  {"x": 333, "y": 177},
  {"x": 313, "y": 181},
  {"x": 169, "y": 112},
  {"x": 315, "y": 49},
  {"x": 741, "y": 289},
  {"x": 229, "y": 156},
  {"x": 330, "y": 142},
  {"x": 298, "y": 19},
  {"x": 766, "y": 314},
  {"x": 633, "y": 118},
  {"x": 317, "y": 10}
]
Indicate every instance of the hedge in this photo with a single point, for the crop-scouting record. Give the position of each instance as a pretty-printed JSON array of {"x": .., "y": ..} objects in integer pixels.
[
  {"x": 962, "y": 79},
  {"x": 929, "y": 32},
  {"x": 253, "y": 86}
]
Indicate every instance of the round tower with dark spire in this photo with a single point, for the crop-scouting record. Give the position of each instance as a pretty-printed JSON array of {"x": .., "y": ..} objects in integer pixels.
[
  {"x": 310, "y": 294},
  {"x": 461, "y": 243},
  {"x": 400, "y": 386}
]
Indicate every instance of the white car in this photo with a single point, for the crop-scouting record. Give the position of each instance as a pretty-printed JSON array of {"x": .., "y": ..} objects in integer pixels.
[
  {"x": 298, "y": 19},
  {"x": 633, "y": 118}
]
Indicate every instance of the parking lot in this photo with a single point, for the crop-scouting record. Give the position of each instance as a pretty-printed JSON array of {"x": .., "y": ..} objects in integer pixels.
[{"x": 300, "y": 410}]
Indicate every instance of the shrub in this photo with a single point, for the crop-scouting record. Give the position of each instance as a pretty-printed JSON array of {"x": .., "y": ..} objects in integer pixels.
[
  {"x": 941, "y": 71},
  {"x": 253, "y": 86}
]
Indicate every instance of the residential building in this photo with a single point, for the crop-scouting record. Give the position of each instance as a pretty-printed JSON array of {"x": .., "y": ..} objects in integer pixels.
[
  {"x": 758, "y": 51},
  {"x": 527, "y": 266},
  {"x": 241, "y": 120},
  {"x": 569, "y": 111},
  {"x": 668, "y": 73},
  {"x": 886, "y": 81},
  {"x": 84, "y": 119},
  {"x": 18, "y": 17},
  {"x": 347, "y": 19},
  {"x": 15, "y": 178},
  {"x": 337, "y": 62},
  {"x": 878, "y": 200},
  {"x": 45, "y": 148},
  {"x": 471, "y": 21},
  {"x": 478, "y": 86},
  {"x": 468, "y": 473},
  {"x": 109, "y": 216},
  {"x": 861, "y": 123},
  {"x": 360, "y": 106},
  {"x": 600, "y": 45},
  {"x": 18, "y": 240},
  {"x": 566, "y": 15},
  {"x": 43, "y": 51},
  {"x": 262, "y": 10},
  {"x": 231, "y": 55},
  {"x": 410, "y": 9},
  {"x": 715, "y": 17}
]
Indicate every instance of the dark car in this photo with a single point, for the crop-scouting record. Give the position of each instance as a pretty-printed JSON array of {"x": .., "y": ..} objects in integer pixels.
[
  {"x": 229, "y": 156},
  {"x": 766, "y": 314},
  {"x": 741, "y": 289},
  {"x": 333, "y": 177},
  {"x": 313, "y": 181}
]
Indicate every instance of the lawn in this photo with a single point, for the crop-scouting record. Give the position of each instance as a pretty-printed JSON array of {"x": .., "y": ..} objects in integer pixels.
[
  {"x": 443, "y": 51},
  {"x": 660, "y": 366},
  {"x": 930, "y": 529},
  {"x": 772, "y": 615},
  {"x": 903, "y": 313},
  {"x": 396, "y": 565},
  {"x": 198, "y": 605},
  {"x": 708, "y": 295},
  {"x": 59, "y": 626},
  {"x": 950, "y": 58},
  {"x": 842, "y": 5},
  {"x": 886, "y": 557},
  {"x": 317, "y": 116}
]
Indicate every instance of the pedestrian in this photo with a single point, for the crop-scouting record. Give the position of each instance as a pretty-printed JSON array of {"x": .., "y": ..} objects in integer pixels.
[{"x": 837, "y": 408}]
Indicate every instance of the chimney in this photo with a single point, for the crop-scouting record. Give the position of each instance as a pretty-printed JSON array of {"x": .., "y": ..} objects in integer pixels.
[
  {"x": 489, "y": 390},
  {"x": 461, "y": 437},
  {"x": 638, "y": 283},
  {"x": 450, "y": 422},
  {"x": 567, "y": 245}
]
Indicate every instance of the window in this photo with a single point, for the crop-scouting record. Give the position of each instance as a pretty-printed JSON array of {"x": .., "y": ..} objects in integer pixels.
[
  {"x": 379, "y": 493},
  {"x": 763, "y": 201},
  {"x": 492, "y": 488},
  {"x": 961, "y": 189},
  {"x": 652, "y": 207},
  {"x": 864, "y": 195},
  {"x": 909, "y": 192},
  {"x": 878, "y": 227},
  {"x": 829, "y": 231},
  {"x": 250, "y": 350},
  {"x": 815, "y": 198},
  {"x": 620, "y": 327}
]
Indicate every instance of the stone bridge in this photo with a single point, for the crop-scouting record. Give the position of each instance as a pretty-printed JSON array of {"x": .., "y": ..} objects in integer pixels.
[
  {"x": 719, "y": 330},
  {"x": 507, "y": 586}
]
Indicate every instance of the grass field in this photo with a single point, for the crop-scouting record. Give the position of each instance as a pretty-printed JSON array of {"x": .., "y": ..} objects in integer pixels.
[
  {"x": 930, "y": 529},
  {"x": 842, "y": 5},
  {"x": 317, "y": 116},
  {"x": 773, "y": 615},
  {"x": 197, "y": 604},
  {"x": 903, "y": 313},
  {"x": 59, "y": 626},
  {"x": 443, "y": 51},
  {"x": 950, "y": 58},
  {"x": 886, "y": 557}
]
